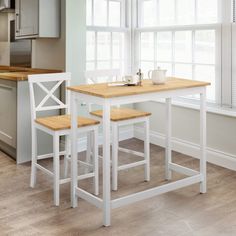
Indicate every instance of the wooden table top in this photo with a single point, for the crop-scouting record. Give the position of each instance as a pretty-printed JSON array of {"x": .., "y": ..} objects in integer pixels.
[
  {"x": 21, "y": 73},
  {"x": 105, "y": 91}
]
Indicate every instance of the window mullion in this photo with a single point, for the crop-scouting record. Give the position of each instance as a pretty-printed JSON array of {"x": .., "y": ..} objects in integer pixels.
[
  {"x": 92, "y": 12},
  {"x": 176, "y": 12},
  {"x": 195, "y": 12},
  {"x": 96, "y": 51},
  {"x": 173, "y": 52},
  {"x": 193, "y": 54},
  {"x": 155, "y": 49},
  {"x": 111, "y": 50},
  {"x": 108, "y": 13}
]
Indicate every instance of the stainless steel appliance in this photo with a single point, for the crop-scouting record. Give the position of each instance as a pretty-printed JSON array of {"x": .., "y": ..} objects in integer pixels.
[
  {"x": 6, "y": 4},
  {"x": 20, "y": 50}
]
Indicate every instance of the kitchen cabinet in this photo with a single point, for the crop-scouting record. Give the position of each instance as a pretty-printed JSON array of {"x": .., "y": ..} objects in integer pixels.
[
  {"x": 37, "y": 19},
  {"x": 8, "y": 98},
  {"x": 15, "y": 113}
]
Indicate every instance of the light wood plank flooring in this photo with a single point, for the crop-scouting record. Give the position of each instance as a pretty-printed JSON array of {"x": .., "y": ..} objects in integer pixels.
[{"x": 185, "y": 212}]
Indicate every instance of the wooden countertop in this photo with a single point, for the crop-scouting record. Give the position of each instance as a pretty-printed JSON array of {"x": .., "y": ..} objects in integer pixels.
[
  {"x": 20, "y": 73},
  {"x": 105, "y": 91}
]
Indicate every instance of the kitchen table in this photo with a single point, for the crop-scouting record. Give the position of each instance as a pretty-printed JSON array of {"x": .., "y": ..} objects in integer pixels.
[{"x": 107, "y": 96}]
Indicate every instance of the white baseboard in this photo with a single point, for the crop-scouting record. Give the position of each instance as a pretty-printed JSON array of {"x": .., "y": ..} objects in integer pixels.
[{"x": 191, "y": 149}]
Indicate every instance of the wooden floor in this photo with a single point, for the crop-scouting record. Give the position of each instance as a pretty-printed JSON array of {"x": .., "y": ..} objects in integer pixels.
[{"x": 185, "y": 212}]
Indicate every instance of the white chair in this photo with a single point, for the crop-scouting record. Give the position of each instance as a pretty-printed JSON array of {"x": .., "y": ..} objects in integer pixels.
[
  {"x": 121, "y": 117},
  {"x": 58, "y": 126}
]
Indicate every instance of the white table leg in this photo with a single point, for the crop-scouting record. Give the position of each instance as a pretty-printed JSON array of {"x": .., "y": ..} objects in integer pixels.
[
  {"x": 203, "y": 140},
  {"x": 147, "y": 150},
  {"x": 168, "y": 152},
  {"x": 115, "y": 147},
  {"x": 74, "y": 164},
  {"x": 106, "y": 165}
]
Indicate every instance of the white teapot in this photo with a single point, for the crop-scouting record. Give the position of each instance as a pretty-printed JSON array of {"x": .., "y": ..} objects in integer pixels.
[{"x": 157, "y": 76}]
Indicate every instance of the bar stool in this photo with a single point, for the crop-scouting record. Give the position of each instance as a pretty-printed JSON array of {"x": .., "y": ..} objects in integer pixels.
[
  {"x": 121, "y": 116},
  {"x": 58, "y": 126}
]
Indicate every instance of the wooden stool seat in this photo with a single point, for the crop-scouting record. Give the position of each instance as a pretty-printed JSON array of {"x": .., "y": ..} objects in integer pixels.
[
  {"x": 63, "y": 122},
  {"x": 119, "y": 114}
]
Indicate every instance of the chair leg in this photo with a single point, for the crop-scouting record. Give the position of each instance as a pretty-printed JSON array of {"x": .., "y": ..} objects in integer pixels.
[
  {"x": 115, "y": 144},
  {"x": 88, "y": 152},
  {"x": 66, "y": 157},
  {"x": 95, "y": 161},
  {"x": 56, "y": 169},
  {"x": 34, "y": 158},
  {"x": 147, "y": 151}
]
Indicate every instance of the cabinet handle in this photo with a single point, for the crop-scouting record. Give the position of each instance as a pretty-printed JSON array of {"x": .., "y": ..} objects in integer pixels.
[
  {"x": 6, "y": 87},
  {"x": 17, "y": 23}
]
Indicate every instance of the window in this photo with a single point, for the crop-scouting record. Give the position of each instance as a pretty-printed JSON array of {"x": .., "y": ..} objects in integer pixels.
[
  {"x": 106, "y": 33},
  {"x": 182, "y": 38},
  {"x": 192, "y": 39}
]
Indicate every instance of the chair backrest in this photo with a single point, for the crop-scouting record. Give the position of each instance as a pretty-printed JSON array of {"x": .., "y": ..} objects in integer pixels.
[
  {"x": 48, "y": 84},
  {"x": 101, "y": 76}
]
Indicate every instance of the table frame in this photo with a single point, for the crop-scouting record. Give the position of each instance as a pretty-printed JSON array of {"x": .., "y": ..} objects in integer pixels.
[{"x": 105, "y": 203}]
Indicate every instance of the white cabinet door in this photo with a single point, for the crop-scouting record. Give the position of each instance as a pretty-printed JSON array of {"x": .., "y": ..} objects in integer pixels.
[
  {"x": 8, "y": 110},
  {"x": 27, "y": 18}
]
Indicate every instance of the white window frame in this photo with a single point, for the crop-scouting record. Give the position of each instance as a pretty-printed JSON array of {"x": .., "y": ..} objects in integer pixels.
[
  {"x": 124, "y": 28},
  {"x": 223, "y": 62}
]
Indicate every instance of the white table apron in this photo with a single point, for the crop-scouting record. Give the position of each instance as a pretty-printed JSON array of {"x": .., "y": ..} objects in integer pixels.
[{"x": 105, "y": 203}]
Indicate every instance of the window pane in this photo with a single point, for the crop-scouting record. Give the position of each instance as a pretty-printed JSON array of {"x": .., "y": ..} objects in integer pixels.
[
  {"x": 167, "y": 12},
  {"x": 103, "y": 65},
  {"x": 100, "y": 12},
  {"x": 205, "y": 46},
  {"x": 185, "y": 11},
  {"x": 90, "y": 66},
  {"x": 148, "y": 9},
  {"x": 145, "y": 67},
  {"x": 114, "y": 13},
  {"x": 183, "y": 46},
  {"x": 207, "y": 73},
  {"x": 147, "y": 46},
  {"x": 89, "y": 12},
  {"x": 166, "y": 66},
  {"x": 103, "y": 45},
  {"x": 116, "y": 65},
  {"x": 183, "y": 71},
  {"x": 207, "y": 11},
  {"x": 90, "y": 49},
  {"x": 117, "y": 45},
  {"x": 164, "y": 46}
]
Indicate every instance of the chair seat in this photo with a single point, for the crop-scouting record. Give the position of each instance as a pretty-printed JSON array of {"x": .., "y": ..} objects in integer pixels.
[
  {"x": 119, "y": 114},
  {"x": 63, "y": 122}
]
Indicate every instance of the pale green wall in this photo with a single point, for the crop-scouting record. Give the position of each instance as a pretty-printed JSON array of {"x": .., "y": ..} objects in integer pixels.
[
  {"x": 76, "y": 39},
  {"x": 221, "y": 130}
]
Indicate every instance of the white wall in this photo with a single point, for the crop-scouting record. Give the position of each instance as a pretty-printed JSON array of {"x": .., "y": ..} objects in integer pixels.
[
  {"x": 221, "y": 130},
  {"x": 76, "y": 39}
]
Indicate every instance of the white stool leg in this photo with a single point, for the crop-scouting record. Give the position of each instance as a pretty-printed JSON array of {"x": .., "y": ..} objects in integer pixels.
[
  {"x": 95, "y": 161},
  {"x": 34, "y": 158},
  {"x": 147, "y": 150},
  {"x": 88, "y": 152},
  {"x": 115, "y": 145},
  {"x": 56, "y": 169},
  {"x": 66, "y": 157},
  {"x": 168, "y": 151}
]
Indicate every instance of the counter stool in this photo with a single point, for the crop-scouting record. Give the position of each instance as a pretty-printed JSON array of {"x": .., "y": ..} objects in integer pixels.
[
  {"x": 121, "y": 116},
  {"x": 57, "y": 126}
]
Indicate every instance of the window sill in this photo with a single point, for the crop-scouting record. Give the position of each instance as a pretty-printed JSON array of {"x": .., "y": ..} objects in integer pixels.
[{"x": 211, "y": 108}]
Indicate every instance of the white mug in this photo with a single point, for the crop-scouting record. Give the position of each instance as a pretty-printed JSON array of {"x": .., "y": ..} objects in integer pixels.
[
  {"x": 157, "y": 76},
  {"x": 130, "y": 79}
]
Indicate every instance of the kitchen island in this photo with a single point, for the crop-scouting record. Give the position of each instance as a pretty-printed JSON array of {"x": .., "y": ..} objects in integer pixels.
[{"x": 15, "y": 118}]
